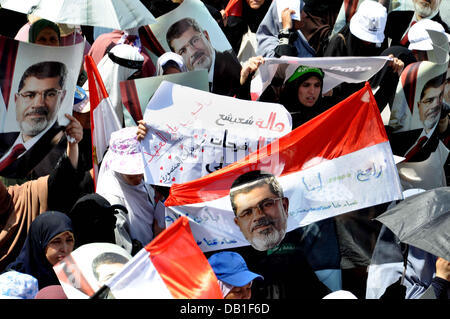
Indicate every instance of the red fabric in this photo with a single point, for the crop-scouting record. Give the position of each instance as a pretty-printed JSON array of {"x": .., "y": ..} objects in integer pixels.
[
  {"x": 234, "y": 8},
  {"x": 8, "y": 55},
  {"x": 416, "y": 148},
  {"x": 149, "y": 41},
  {"x": 130, "y": 99},
  {"x": 15, "y": 153},
  {"x": 353, "y": 124},
  {"x": 182, "y": 265},
  {"x": 97, "y": 92},
  {"x": 350, "y": 8},
  {"x": 409, "y": 82}
]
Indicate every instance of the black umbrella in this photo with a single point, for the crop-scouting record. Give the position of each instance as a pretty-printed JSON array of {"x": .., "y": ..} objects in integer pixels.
[{"x": 422, "y": 221}]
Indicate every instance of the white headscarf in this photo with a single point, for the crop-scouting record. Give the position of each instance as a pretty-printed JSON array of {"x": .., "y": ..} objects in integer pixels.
[
  {"x": 138, "y": 199},
  {"x": 169, "y": 56},
  {"x": 113, "y": 73}
]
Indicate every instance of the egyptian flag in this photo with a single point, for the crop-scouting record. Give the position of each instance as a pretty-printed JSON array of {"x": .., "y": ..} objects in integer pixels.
[
  {"x": 170, "y": 267},
  {"x": 104, "y": 120},
  {"x": 338, "y": 162}
]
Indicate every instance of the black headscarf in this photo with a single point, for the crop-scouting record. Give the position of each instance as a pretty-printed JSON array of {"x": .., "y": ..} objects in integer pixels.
[
  {"x": 253, "y": 17},
  {"x": 387, "y": 79},
  {"x": 94, "y": 220},
  {"x": 237, "y": 26},
  {"x": 32, "y": 259},
  {"x": 289, "y": 98}
]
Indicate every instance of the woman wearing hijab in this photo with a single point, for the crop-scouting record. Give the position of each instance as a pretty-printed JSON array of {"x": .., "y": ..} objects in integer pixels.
[
  {"x": 302, "y": 95},
  {"x": 44, "y": 32},
  {"x": 244, "y": 18},
  {"x": 121, "y": 182},
  {"x": 169, "y": 63},
  {"x": 50, "y": 239}
]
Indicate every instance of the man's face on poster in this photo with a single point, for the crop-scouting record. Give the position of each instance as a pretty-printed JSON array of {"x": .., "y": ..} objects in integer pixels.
[
  {"x": 261, "y": 216},
  {"x": 107, "y": 270},
  {"x": 195, "y": 48},
  {"x": 425, "y": 8},
  {"x": 37, "y": 104},
  {"x": 430, "y": 106}
]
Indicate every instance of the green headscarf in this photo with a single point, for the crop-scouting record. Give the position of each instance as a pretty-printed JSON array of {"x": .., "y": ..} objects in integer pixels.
[
  {"x": 38, "y": 26},
  {"x": 303, "y": 69}
]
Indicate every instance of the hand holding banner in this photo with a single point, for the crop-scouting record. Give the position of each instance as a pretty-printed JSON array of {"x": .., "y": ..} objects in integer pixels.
[{"x": 193, "y": 133}]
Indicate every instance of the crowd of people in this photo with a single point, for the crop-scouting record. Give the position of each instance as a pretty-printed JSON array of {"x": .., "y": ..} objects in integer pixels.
[{"x": 56, "y": 206}]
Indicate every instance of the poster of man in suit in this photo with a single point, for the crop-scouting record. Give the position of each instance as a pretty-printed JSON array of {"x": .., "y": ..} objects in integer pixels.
[
  {"x": 190, "y": 31},
  {"x": 38, "y": 85}
]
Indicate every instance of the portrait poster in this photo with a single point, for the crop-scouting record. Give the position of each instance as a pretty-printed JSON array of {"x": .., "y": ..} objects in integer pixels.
[
  {"x": 191, "y": 9},
  {"x": 193, "y": 133},
  {"x": 414, "y": 125},
  {"x": 136, "y": 93},
  {"x": 191, "y": 32},
  {"x": 81, "y": 274},
  {"x": 37, "y": 88},
  {"x": 313, "y": 175}
]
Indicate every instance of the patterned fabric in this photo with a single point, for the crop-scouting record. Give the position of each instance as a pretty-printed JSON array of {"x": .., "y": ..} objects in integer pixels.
[{"x": 16, "y": 285}]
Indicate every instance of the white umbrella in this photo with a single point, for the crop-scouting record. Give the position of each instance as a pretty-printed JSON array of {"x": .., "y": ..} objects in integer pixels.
[{"x": 115, "y": 14}]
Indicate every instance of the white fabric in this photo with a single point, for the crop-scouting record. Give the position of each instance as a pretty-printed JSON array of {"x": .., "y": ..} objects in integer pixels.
[
  {"x": 112, "y": 74},
  {"x": 105, "y": 123},
  {"x": 169, "y": 56},
  {"x": 368, "y": 176},
  {"x": 336, "y": 70},
  {"x": 139, "y": 279},
  {"x": 248, "y": 47},
  {"x": 120, "y": 15},
  {"x": 340, "y": 294},
  {"x": 226, "y": 288},
  {"x": 139, "y": 201}
]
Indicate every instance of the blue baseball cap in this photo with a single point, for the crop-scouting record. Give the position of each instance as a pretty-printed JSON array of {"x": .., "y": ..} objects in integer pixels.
[{"x": 231, "y": 268}]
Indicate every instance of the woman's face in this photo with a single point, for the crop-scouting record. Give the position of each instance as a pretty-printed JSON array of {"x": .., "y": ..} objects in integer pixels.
[
  {"x": 47, "y": 36},
  {"x": 133, "y": 179},
  {"x": 309, "y": 91},
  {"x": 59, "y": 247},
  {"x": 171, "y": 70},
  {"x": 255, "y": 4}
]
